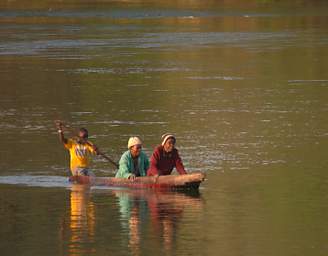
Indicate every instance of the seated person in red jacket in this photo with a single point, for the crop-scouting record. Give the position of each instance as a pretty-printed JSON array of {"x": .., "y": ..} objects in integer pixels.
[{"x": 165, "y": 157}]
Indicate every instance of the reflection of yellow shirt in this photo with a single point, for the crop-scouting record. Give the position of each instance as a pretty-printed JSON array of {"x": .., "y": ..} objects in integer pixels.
[{"x": 79, "y": 154}]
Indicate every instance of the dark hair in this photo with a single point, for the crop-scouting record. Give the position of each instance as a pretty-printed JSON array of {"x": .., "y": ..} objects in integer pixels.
[
  {"x": 172, "y": 138},
  {"x": 85, "y": 131}
]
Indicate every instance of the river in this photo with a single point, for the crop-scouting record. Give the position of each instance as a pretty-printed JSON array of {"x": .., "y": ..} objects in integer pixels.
[{"x": 242, "y": 84}]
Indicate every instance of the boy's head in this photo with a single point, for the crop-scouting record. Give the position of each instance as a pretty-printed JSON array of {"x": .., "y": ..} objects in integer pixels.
[{"x": 83, "y": 133}]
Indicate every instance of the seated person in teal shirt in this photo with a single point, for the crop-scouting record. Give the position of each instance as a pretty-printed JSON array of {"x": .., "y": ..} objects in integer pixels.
[{"x": 134, "y": 162}]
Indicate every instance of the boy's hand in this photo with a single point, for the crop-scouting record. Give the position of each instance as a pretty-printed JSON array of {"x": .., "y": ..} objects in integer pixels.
[
  {"x": 94, "y": 147},
  {"x": 59, "y": 125}
]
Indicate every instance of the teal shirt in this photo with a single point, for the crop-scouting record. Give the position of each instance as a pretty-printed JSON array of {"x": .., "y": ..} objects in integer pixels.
[{"x": 127, "y": 167}]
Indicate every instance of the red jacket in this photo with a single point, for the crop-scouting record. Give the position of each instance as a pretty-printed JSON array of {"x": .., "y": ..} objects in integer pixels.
[{"x": 162, "y": 163}]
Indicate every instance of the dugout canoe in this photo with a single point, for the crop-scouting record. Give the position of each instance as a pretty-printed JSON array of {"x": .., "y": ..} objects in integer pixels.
[{"x": 170, "y": 182}]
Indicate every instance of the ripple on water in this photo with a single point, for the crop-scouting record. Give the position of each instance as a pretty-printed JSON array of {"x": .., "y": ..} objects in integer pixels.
[
  {"x": 317, "y": 82},
  {"x": 226, "y": 78},
  {"x": 116, "y": 13},
  {"x": 149, "y": 40},
  {"x": 92, "y": 70},
  {"x": 36, "y": 181}
]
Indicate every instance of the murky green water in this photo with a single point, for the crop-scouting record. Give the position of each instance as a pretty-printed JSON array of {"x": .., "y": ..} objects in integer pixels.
[{"x": 244, "y": 86}]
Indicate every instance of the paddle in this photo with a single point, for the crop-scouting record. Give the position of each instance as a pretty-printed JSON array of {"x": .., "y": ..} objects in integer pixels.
[
  {"x": 102, "y": 154},
  {"x": 74, "y": 131}
]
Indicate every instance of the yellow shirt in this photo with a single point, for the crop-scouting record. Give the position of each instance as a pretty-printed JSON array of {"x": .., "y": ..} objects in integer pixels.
[{"x": 79, "y": 154}]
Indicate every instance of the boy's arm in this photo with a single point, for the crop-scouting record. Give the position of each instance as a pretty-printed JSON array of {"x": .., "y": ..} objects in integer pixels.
[
  {"x": 62, "y": 137},
  {"x": 61, "y": 133},
  {"x": 93, "y": 148}
]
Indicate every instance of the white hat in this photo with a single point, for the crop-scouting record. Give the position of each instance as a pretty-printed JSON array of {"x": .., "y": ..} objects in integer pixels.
[
  {"x": 134, "y": 141},
  {"x": 167, "y": 136}
]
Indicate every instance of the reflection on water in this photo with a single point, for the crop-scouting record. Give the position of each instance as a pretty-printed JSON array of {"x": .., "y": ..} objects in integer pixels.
[
  {"x": 159, "y": 210},
  {"x": 145, "y": 217},
  {"x": 82, "y": 220}
]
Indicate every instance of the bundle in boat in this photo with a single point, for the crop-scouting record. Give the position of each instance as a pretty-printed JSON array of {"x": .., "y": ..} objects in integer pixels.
[{"x": 175, "y": 182}]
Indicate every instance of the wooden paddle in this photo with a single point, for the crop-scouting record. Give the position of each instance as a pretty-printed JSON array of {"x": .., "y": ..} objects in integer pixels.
[{"x": 74, "y": 131}]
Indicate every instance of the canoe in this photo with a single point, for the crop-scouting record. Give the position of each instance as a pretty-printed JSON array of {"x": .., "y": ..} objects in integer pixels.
[{"x": 189, "y": 181}]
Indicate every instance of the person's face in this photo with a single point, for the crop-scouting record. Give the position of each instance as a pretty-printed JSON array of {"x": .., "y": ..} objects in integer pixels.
[
  {"x": 82, "y": 135},
  {"x": 136, "y": 149},
  {"x": 169, "y": 145}
]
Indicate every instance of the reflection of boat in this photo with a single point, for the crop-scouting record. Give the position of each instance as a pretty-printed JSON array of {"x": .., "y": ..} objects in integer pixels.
[
  {"x": 170, "y": 182},
  {"x": 177, "y": 199},
  {"x": 156, "y": 214}
]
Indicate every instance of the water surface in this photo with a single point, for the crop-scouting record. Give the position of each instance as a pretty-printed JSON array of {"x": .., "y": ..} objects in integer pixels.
[{"x": 242, "y": 85}]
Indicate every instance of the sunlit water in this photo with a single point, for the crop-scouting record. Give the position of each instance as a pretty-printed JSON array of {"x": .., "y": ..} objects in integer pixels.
[{"x": 242, "y": 85}]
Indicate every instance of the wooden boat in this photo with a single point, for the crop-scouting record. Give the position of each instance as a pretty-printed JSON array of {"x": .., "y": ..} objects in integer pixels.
[{"x": 189, "y": 181}]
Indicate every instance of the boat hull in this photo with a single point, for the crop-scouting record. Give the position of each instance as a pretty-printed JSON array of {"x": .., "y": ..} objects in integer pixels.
[{"x": 170, "y": 182}]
